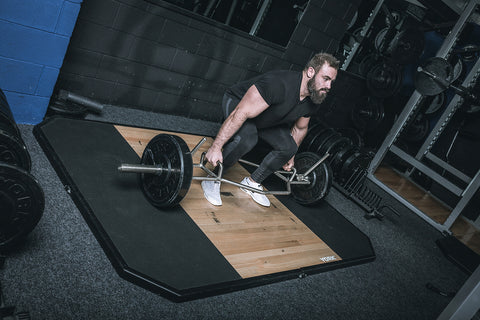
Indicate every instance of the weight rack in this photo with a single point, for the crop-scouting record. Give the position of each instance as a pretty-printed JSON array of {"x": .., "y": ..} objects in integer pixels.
[
  {"x": 424, "y": 152},
  {"x": 356, "y": 189}
]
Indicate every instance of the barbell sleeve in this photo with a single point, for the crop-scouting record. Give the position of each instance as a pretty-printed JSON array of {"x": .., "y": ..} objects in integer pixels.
[{"x": 142, "y": 168}]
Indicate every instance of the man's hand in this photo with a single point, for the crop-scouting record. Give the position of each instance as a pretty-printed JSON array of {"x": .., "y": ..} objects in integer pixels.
[
  {"x": 214, "y": 156},
  {"x": 289, "y": 165}
]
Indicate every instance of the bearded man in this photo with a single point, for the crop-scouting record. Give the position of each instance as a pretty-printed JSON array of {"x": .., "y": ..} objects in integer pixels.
[{"x": 276, "y": 107}]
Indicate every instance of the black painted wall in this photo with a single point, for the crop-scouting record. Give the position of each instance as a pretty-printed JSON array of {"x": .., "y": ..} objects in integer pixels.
[{"x": 157, "y": 57}]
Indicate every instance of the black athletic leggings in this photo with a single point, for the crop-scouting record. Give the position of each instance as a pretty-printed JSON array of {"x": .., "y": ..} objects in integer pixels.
[{"x": 278, "y": 137}]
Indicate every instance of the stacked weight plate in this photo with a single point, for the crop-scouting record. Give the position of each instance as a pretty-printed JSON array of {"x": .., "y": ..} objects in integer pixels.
[
  {"x": 21, "y": 198},
  {"x": 348, "y": 161},
  {"x": 344, "y": 147},
  {"x": 12, "y": 148}
]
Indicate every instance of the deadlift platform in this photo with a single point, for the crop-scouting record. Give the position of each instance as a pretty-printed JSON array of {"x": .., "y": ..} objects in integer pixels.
[{"x": 194, "y": 250}]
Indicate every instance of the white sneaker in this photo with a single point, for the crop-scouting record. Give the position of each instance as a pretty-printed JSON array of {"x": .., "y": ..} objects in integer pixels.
[
  {"x": 211, "y": 191},
  {"x": 257, "y": 197}
]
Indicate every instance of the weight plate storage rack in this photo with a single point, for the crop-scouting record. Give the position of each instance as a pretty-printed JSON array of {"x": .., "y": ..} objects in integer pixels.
[{"x": 417, "y": 161}]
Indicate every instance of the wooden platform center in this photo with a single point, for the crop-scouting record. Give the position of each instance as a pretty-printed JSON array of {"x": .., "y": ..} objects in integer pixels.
[{"x": 255, "y": 240}]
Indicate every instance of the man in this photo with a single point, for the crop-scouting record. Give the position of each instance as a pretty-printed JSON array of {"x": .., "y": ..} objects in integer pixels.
[{"x": 275, "y": 107}]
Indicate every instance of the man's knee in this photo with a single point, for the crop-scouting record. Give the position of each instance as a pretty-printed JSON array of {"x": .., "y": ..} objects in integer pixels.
[{"x": 247, "y": 142}]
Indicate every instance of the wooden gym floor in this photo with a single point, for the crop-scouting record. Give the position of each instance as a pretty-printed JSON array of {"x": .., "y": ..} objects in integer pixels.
[
  {"x": 461, "y": 229},
  {"x": 255, "y": 240}
]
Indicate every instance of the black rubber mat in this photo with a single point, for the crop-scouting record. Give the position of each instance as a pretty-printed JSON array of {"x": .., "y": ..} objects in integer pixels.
[{"x": 164, "y": 251}]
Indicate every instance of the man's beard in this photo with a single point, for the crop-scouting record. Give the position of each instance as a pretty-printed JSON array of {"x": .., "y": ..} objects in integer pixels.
[{"x": 317, "y": 96}]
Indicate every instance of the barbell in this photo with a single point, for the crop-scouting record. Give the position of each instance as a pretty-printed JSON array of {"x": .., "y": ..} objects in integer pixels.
[
  {"x": 165, "y": 173},
  {"x": 437, "y": 75}
]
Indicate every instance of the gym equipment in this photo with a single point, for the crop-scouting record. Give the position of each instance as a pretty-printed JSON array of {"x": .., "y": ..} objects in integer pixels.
[
  {"x": 13, "y": 151},
  {"x": 353, "y": 135},
  {"x": 367, "y": 114},
  {"x": 7, "y": 122},
  {"x": 21, "y": 202},
  {"x": 320, "y": 139},
  {"x": 468, "y": 52},
  {"x": 66, "y": 109},
  {"x": 458, "y": 69},
  {"x": 407, "y": 46},
  {"x": 338, "y": 160},
  {"x": 358, "y": 161},
  {"x": 170, "y": 185},
  {"x": 435, "y": 103},
  {"x": 418, "y": 129},
  {"x": 165, "y": 173},
  {"x": 320, "y": 179},
  {"x": 89, "y": 104},
  {"x": 311, "y": 134},
  {"x": 384, "y": 79},
  {"x": 12, "y": 148},
  {"x": 334, "y": 145},
  {"x": 436, "y": 75},
  {"x": 71, "y": 105}
]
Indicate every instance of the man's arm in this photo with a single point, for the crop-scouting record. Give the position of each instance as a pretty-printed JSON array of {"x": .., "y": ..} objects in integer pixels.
[
  {"x": 251, "y": 105},
  {"x": 299, "y": 131}
]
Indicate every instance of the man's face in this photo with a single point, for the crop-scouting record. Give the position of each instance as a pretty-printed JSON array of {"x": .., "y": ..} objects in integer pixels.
[{"x": 320, "y": 83}]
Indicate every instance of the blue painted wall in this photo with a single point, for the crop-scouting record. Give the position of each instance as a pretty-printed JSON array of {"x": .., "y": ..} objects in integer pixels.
[{"x": 34, "y": 36}]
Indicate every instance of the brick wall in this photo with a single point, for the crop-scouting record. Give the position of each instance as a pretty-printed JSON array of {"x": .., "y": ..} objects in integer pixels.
[
  {"x": 34, "y": 38},
  {"x": 161, "y": 58}
]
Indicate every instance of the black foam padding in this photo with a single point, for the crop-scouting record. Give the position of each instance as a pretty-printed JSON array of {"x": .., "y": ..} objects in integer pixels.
[{"x": 158, "y": 245}]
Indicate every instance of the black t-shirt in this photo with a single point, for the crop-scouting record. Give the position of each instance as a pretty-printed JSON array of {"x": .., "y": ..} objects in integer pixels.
[{"x": 281, "y": 90}]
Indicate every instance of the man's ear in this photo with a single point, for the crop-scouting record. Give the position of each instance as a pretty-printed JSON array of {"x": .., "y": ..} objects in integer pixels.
[{"x": 310, "y": 72}]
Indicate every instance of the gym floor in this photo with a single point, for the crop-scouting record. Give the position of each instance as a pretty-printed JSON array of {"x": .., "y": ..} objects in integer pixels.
[{"x": 61, "y": 272}]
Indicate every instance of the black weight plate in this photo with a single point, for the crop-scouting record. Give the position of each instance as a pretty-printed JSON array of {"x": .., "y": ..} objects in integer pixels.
[
  {"x": 22, "y": 202},
  {"x": 407, "y": 46},
  {"x": 418, "y": 129},
  {"x": 320, "y": 179},
  {"x": 167, "y": 189},
  {"x": 311, "y": 134},
  {"x": 320, "y": 138},
  {"x": 7, "y": 121},
  {"x": 322, "y": 149},
  {"x": 65, "y": 108},
  {"x": 354, "y": 163},
  {"x": 425, "y": 84},
  {"x": 469, "y": 52},
  {"x": 434, "y": 104},
  {"x": 308, "y": 137},
  {"x": 336, "y": 146},
  {"x": 340, "y": 157},
  {"x": 6, "y": 124},
  {"x": 13, "y": 151},
  {"x": 384, "y": 80},
  {"x": 2, "y": 96},
  {"x": 367, "y": 114},
  {"x": 353, "y": 135},
  {"x": 380, "y": 38},
  {"x": 457, "y": 69},
  {"x": 367, "y": 63},
  {"x": 347, "y": 168}
]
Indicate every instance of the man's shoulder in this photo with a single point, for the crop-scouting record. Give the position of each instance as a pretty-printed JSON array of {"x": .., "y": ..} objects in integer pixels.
[{"x": 283, "y": 73}]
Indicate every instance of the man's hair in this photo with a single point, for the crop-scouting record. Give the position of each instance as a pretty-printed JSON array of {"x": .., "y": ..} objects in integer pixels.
[{"x": 320, "y": 59}]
